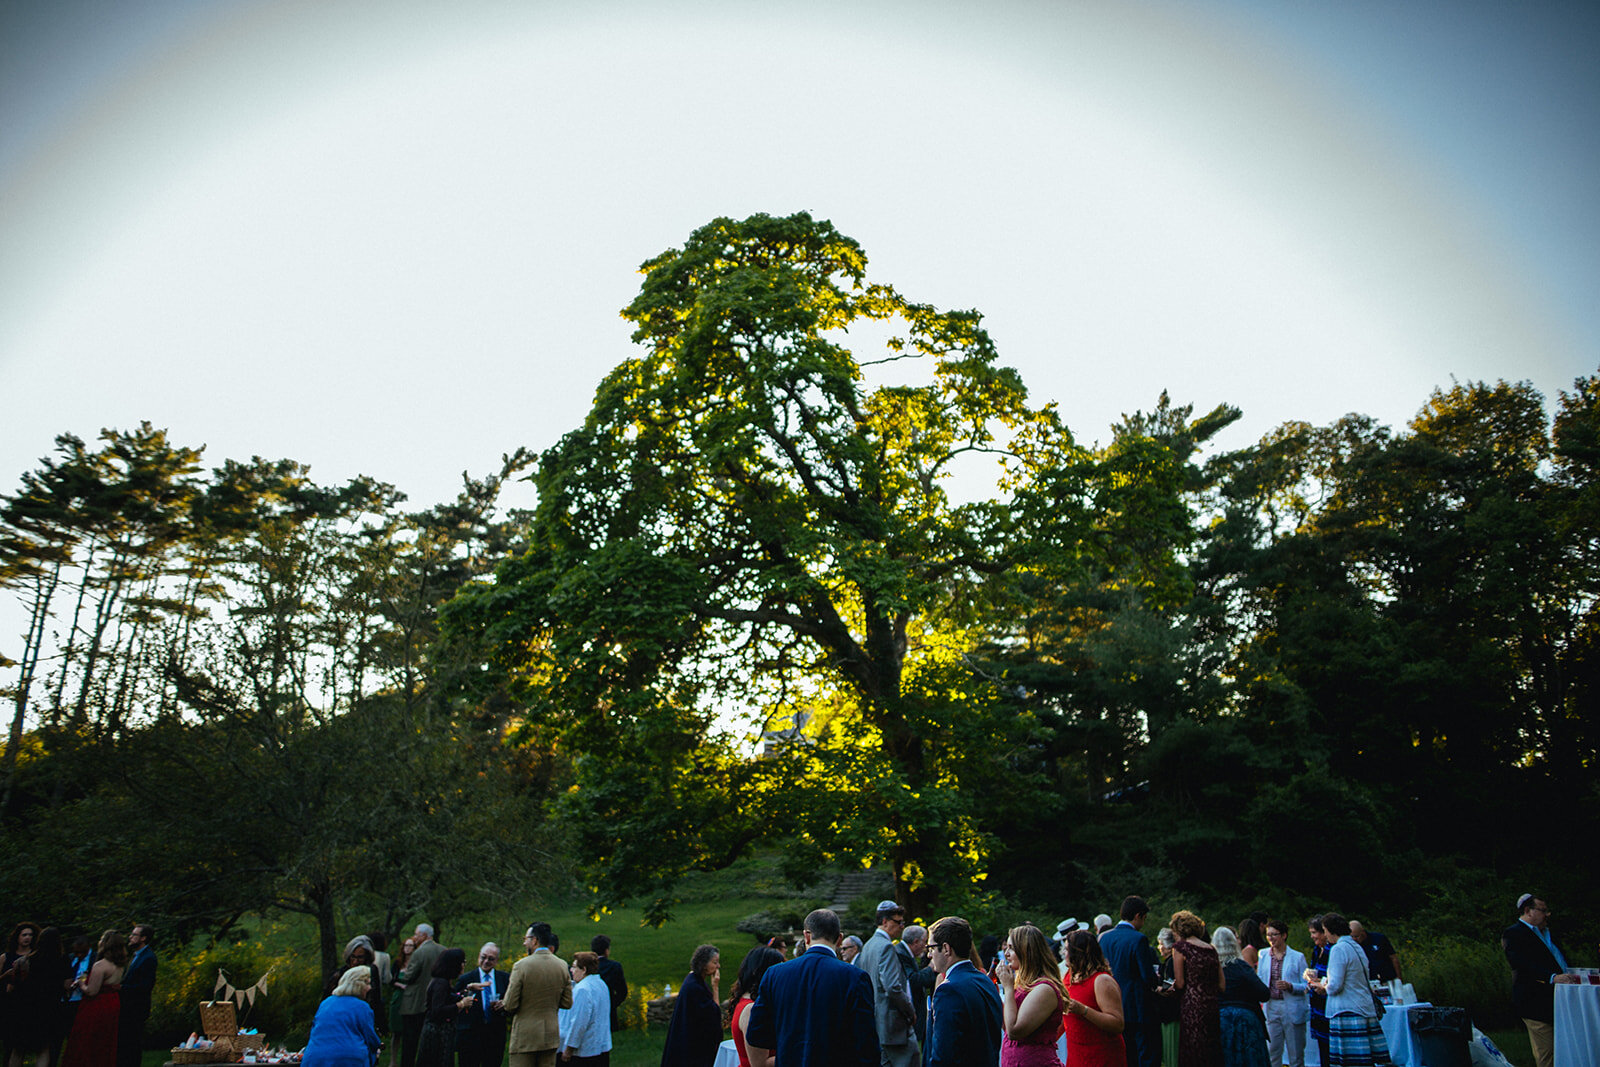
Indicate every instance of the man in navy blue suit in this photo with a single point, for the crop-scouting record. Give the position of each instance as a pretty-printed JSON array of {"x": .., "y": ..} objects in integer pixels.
[
  {"x": 481, "y": 1030},
  {"x": 1135, "y": 967},
  {"x": 964, "y": 1026},
  {"x": 816, "y": 1009},
  {"x": 138, "y": 985}
]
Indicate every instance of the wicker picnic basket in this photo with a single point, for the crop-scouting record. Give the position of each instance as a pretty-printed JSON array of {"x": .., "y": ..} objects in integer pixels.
[{"x": 217, "y": 1019}]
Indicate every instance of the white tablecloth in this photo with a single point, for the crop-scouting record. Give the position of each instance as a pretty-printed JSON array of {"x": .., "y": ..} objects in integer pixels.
[
  {"x": 727, "y": 1055},
  {"x": 1396, "y": 1031},
  {"x": 1577, "y": 1025}
]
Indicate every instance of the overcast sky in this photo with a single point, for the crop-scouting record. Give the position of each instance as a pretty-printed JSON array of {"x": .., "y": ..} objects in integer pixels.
[{"x": 392, "y": 239}]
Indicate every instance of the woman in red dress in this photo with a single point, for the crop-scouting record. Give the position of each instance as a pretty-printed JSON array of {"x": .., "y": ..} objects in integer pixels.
[
  {"x": 93, "y": 1040},
  {"x": 755, "y": 964},
  {"x": 1094, "y": 1005},
  {"x": 1196, "y": 974}
]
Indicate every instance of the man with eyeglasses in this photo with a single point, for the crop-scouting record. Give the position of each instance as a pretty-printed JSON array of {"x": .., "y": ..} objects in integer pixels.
[
  {"x": 964, "y": 1024},
  {"x": 1537, "y": 964},
  {"x": 481, "y": 1031},
  {"x": 892, "y": 1012}
]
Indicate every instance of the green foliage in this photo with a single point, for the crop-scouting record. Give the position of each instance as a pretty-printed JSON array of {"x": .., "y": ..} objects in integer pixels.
[
  {"x": 1463, "y": 973},
  {"x": 283, "y": 1013}
]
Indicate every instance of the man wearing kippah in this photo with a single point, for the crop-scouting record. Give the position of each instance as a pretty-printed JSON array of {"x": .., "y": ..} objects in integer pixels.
[
  {"x": 892, "y": 1011},
  {"x": 1537, "y": 964}
]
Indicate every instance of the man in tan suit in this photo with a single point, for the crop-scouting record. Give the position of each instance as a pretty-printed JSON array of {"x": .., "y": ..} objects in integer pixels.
[{"x": 540, "y": 984}]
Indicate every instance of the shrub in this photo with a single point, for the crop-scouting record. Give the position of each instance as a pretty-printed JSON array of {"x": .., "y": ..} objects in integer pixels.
[
  {"x": 185, "y": 978},
  {"x": 768, "y": 923},
  {"x": 1463, "y": 974}
]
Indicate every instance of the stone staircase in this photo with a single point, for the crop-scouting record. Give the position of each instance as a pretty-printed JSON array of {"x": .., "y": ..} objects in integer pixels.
[{"x": 852, "y": 885}]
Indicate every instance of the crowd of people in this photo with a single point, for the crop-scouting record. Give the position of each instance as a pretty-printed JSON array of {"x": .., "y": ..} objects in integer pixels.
[
  {"x": 79, "y": 1004},
  {"x": 1087, "y": 995},
  {"x": 436, "y": 1012}
]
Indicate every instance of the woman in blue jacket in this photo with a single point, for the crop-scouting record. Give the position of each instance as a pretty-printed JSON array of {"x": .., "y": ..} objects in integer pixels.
[
  {"x": 1355, "y": 1036},
  {"x": 343, "y": 1034}
]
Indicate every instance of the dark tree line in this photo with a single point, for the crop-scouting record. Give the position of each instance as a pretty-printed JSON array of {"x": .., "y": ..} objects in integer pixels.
[
  {"x": 231, "y": 697},
  {"x": 750, "y": 610}
]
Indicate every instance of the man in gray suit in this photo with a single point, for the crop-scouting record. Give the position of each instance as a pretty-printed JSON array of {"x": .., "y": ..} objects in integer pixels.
[
  {"x": 892, "y": 1012},
  {"x": 414, "y": 1001}
]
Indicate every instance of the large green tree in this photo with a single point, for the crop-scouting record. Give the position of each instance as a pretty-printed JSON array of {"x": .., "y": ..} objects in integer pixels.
[{"x": 745, "y": 527}]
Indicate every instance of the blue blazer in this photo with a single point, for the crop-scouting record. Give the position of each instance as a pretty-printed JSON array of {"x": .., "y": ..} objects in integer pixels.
[
  {"x": 815, "y": 1011},
  {"x": 964, "y": 1028},
  {"x": 1134, "y": 965}
]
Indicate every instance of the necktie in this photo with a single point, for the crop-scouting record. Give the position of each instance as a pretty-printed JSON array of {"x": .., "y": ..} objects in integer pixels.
[{"x": 488, "y": 992}]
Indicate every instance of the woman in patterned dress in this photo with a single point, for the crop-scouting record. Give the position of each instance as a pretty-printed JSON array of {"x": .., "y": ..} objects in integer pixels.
[{"x": 1197, "y": 975}]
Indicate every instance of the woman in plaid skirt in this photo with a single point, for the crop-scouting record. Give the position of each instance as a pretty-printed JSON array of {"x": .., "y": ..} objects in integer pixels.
[{"x": 1355, "y": 1037}]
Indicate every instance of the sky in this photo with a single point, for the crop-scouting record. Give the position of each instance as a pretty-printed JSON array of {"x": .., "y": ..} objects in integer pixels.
[{"x": 392, "y": 239}]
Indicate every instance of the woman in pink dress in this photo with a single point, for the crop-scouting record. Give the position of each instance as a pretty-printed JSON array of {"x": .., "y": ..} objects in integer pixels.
[
  {"x": 1094, "y": 1005},
  {"x": 1032, "y": 998},
  {"x": 93, "y": 1040}
]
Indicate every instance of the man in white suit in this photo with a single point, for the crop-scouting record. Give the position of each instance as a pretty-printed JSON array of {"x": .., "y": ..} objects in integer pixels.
[
  {"x": 892, "y": 1012},
  {"x": 1283, "y": 971}
]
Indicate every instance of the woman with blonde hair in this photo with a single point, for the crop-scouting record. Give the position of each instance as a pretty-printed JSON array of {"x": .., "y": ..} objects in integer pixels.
[
  {"x": 1241, "y": 1024},
  {"x": 93, "y": 1040},
  {"x": 343, "y": 1033},
  {"x": 1031, "y": 997},
  {"x": 1197, "y": 975}
]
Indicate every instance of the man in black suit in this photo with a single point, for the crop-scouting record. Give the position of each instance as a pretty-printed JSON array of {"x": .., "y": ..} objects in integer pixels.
[
  {"x": 1537, "y": 964},
  {"x": 815, "y": 1010},
  {"x": 481, "y": 1032},
  {"x": 138, "y": 984},
  {"x": 611, "y": 974}
]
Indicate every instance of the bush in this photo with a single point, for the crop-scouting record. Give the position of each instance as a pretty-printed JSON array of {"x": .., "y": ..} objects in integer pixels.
[
  {"x": 1467, "y": 974},
  {"x": 184, "y": 979},
  {"x": 766, "y": 924}
]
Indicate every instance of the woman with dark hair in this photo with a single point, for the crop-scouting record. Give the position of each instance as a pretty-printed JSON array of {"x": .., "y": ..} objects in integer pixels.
[
  {"x": 93, "y": 1041},
  {"x": 586, "y": 1026},
  {"x": 755, "y": 964},
  {"x": 13, "y": 969},
  {"x": 359, "y": 953},
  {"x": 437, "y": 1045},
  {"x": 1316, "y": 999},
  {"x": 1032, "y": 999},
  {"x": 1093, "y": 1019},
  {"x": 407, "y": 947},
  {"x": 1355, "y": 1036},
  {"x": 1252, "y": 939},
  {"x": 1197, "y": 975},
  {"x": 696, "y": 1027},
  {"x": 37, "y": 1000},
  {"x": 1242, "y": 1026}
]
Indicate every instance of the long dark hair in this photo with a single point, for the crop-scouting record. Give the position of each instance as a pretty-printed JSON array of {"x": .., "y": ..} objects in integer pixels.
[
  {"x": 755, "y": 964},
  {"x": 450, "y": 963},
  {"x": 16, "y": 935},
  {"x": 1084, "y": 957}
]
